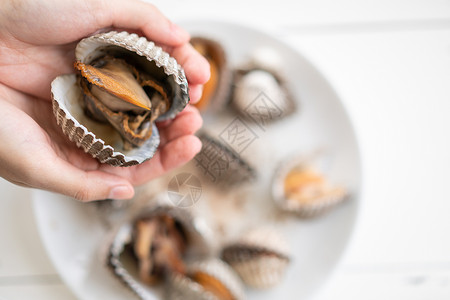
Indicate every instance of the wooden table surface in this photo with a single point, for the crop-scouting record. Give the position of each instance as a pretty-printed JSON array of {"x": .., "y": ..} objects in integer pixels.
[{"x": 389, "y": 61}]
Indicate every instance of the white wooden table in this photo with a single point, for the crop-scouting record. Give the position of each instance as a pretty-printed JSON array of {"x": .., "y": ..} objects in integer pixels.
[{"x": 390, "y": 63}]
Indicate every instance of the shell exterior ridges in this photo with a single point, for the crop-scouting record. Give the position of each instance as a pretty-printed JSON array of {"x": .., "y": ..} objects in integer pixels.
[
  {"x": 183, "y": 288},
  {"x": 266, "y": 238},
  {"x": 64, "y": 86}
]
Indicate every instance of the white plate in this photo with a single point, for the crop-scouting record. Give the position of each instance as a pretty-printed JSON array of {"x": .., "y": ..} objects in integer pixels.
[{"x": 72, "y": 234}]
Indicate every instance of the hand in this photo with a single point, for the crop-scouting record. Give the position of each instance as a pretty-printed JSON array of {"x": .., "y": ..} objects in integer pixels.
[{"x": 37, "y": 40}]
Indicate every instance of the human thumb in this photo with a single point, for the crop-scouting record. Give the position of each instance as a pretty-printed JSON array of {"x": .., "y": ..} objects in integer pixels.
[{"x": 87, "y": 185}]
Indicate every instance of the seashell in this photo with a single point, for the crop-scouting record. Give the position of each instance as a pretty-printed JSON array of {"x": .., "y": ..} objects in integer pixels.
[
  {"x": 260, "y": 90},
  {"x": 301, "y": 186},
  {"x": 220, "y": 164},
  {"x": 152, "y": 245},
  {"x": 216, "y": 92},
  {"x": 209, "y": 279},
  {"x": 125, "y": 83},
  {"x": 260, "y": 257}
]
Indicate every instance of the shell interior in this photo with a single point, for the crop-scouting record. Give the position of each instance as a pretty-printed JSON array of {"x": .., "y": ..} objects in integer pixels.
[
  {"x": 301, "y": 186},
  {"x": 99, "y": 140},
  {"x": 127, "y": 256},
  {"x": 138, "y": 51},
  {"x": 261, "y": 93}
]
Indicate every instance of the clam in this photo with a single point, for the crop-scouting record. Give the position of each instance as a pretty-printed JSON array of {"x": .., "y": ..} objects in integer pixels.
[
  {"x": 209, "y": 279},
  {"x": 260, "y": 91},
  {"x": 216, "y": 91},
  {"x": 301, "y": 186},
  {"x": 152, "y": 246},
  {"x": 124, "y": 84},
  {"x": 220, "y": 164},
  {"x": 260, "y": 257}
]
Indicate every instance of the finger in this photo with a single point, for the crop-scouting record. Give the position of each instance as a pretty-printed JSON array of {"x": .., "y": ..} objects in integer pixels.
[
  {"x": 28, "y": 158},
  {"x": 66, "y": 179},
  {"x": 179, "y": 151},
  {"x": 163, "y": 124},
  {"x": 88, "y": 186},
  {"x": 186, "y": 123},
  {"x": 170, "y": 156},
  {"x": 195, "y": 93},
  {"x": 195, "y": 65},
  {"x": 145, "y": 17}
]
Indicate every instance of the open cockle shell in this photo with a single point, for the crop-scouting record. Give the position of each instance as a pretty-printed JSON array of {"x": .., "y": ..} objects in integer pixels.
[
  {"x": 162, "y": 66},
  {"x": 260, "y": 90},
  {"x": 123, "y": 258},
  {"x": 216, "y": 92},
  {"x": 102, "y": 140},
  {"x": 260, "y": 257},
  {"x": 213, "y": 272},
  {"x": 302, "y": 186}
]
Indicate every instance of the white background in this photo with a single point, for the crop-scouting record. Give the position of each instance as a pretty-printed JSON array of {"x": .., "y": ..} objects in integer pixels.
[{"x": 390, "y": 63}]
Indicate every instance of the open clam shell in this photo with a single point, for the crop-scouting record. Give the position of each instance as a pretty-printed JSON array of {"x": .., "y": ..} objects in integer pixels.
[
  {"x": 220, "y": 164},
  {"x": 216, "y": 92},
  {"x": 260, "y": 89},
  {"x": 102, "y": 140},
  {"x": 125, "y": 255},
  {"x": 210, "y": 279},
  {"x": 302, "y": 186},
  {"x": 260, "y": 257}
]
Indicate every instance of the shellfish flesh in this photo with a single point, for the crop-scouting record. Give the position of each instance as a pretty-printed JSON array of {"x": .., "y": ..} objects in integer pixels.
[
  {"x": 124, "y": 84},
  {"x": 301, "y": 187},
  {"x": 154, "y": 245},
  {"x": 209, "y": 279}
]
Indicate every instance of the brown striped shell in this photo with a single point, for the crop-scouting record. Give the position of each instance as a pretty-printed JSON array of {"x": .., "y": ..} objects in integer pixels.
[
  {"x": 221, "y": 165},
  {"x": 260, "y": 257}
]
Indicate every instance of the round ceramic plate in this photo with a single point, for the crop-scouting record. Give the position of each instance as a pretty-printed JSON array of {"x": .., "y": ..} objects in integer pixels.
[{"x": 73, "y": 233}]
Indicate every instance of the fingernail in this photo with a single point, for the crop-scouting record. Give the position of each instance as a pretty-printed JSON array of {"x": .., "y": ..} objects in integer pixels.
[{"x": 121, "y": 192}]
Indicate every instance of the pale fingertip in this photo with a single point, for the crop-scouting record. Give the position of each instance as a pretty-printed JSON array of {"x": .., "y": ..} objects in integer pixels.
[
  {"x": 192, "y": 109},
  {"x": 121, "y": 192},
  {"x": 199, "y": 69},
  {"x": 196, "y": 145},
  {"x": 195, "y": 93},
  {"x": 179, "y": 34},
  {"x": 146, "y": 18},
  {"x": 195, "y": 66}
]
